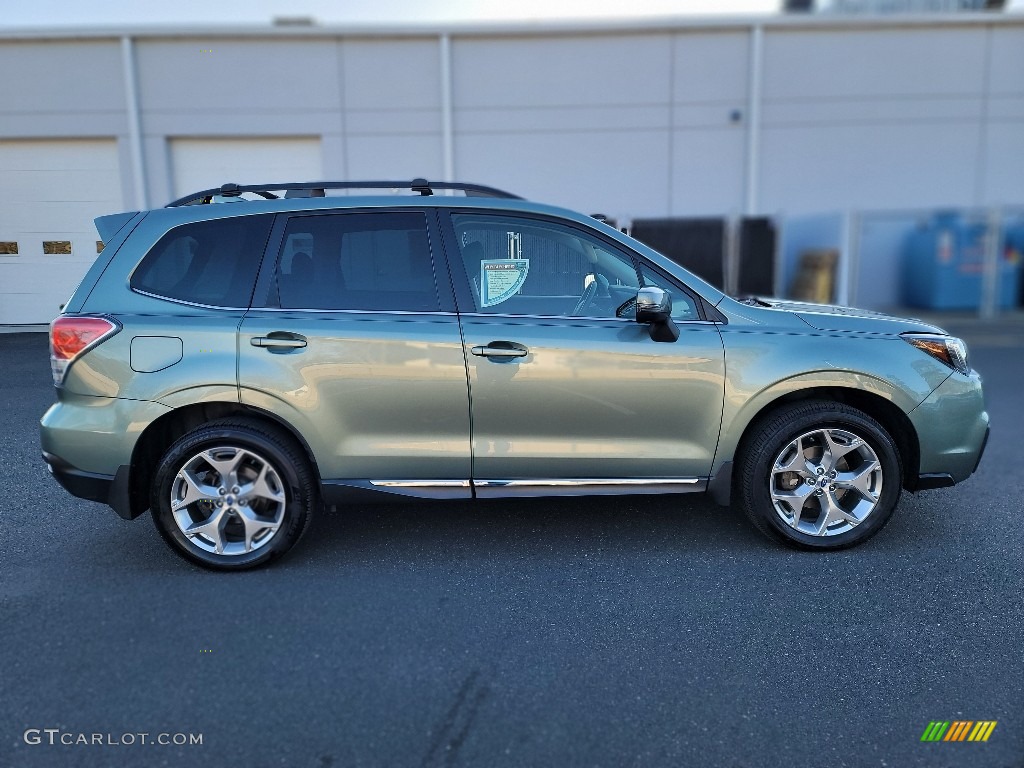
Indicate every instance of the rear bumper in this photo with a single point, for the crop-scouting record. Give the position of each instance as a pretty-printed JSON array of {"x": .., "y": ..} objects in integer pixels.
[
  {"x": 106, "y": 489},
  {"x": 88, "y": 443}
]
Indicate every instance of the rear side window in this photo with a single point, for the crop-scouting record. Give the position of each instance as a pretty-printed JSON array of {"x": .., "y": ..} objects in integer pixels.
[
  {"x": 208, "y": 262},
  {"x": 366, "y": 261}
]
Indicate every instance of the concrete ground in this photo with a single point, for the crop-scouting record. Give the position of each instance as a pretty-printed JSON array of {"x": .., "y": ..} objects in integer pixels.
[{"x": 616, "y": 632}]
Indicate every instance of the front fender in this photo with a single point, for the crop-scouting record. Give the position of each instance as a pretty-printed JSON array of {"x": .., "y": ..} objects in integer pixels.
[{"x": 760, "y": 370}]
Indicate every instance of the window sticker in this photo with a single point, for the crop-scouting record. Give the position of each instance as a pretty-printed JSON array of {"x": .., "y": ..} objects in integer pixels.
[{"x": 500, "y": 279}]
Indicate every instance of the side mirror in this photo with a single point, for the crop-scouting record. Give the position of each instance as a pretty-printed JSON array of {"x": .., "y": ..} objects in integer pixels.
[{"x": 654, "y": 307}]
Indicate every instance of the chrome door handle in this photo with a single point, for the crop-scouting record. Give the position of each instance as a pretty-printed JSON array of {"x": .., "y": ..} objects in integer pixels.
[
  {"x": 271, "y": 341},
  {"x": 506, "y": 351}
]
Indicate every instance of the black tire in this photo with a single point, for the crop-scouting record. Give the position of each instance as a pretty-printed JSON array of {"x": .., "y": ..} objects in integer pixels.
[
  {"x": 774, "y": 437},
  {"x": 284, "y": 502}
]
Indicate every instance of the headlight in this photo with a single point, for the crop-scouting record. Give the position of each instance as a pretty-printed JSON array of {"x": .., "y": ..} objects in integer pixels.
[{"x": 947, "y": 349}]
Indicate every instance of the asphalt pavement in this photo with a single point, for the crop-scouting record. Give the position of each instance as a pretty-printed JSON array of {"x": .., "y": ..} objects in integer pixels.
[{"x": 636, "y": 632}]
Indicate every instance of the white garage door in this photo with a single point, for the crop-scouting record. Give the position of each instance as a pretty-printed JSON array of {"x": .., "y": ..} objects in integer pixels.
[
  {"x": 50, "y": 191},
  {"x": 207, "y": 163}
]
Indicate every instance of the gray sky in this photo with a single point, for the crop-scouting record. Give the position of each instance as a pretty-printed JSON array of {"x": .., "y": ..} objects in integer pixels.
[
  {"x": 48, "y": 13},
  {"x": 84, "y": 13}
]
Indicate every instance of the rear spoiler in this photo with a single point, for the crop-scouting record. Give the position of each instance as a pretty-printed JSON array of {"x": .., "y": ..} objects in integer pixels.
[{"x": 109, "y": 226}]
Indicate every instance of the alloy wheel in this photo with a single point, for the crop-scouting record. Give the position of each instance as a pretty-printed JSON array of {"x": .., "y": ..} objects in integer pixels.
[
  {"x": 228, "y": 500},
  {"x": 826, "y": 482}
]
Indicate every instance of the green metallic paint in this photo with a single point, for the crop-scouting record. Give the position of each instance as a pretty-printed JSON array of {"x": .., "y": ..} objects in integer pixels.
[
  {"x": 374, "y": 394},
  {"x": 771, "y": 354},
  {"x": 951, "y": 424},
  {"x": 96, "y": 434},
  {"x": 388, "y": 395},
  {"x": 209, "y": 352},
  {"x": 594, "y": 398}
]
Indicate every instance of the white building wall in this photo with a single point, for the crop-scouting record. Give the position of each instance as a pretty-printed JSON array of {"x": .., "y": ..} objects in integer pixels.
[
  {"x": 204, "y": 163},
  {"x": 1001, "y": 159},
  {"x": 392, "y": 109},
  {"x": 650, "y": 120},
  {"x": 710, "y": 91},
  {"x": 872, "y": 118},
  {"x": 577, "y": 121}
]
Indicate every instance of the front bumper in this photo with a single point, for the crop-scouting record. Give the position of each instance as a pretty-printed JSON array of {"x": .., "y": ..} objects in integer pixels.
[{"x": 952, "y": 429}]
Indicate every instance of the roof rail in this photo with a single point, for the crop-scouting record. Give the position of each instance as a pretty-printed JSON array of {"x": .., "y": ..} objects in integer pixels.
[{"x": 316, "y": 189}]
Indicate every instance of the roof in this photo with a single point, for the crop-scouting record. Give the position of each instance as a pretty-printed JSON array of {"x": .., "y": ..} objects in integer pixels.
[{"x": 312, "y": 189}]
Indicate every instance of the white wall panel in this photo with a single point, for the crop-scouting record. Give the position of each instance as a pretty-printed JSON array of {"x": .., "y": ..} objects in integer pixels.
[
  {"x": 203, "y": 163},
  {"x": 871, "y": 118},
  {"x": 391, "y": 74},
  {"x": 711, "y": 67},
  {"x": 54, "y": 79},
  {"x": 708, "y": 172},
  {"x": 392, "y": 99},
  {"x": 544, "y": 72},
  {"x": 1006, "y": 74},
  {"x": 872, "y": 63},
  {"x": 905, "y": 109},
  {"x": 871, "y": 166},
  {"x": 617, "y": 173},
  {"x": 379, "y": 122},
  {"x": 577, "y": 121},
  {"x": 202, "y": 76},
  {"x": 394, "y": 157},
  {"x": 1003, "y": 162},
  {"x": 1003, "y": 171}
]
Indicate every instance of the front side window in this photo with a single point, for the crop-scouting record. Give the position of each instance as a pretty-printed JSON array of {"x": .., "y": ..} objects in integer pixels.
[
  {"x": 208, "y": 262},
  {"x": 357, "y": 261},
  {"x": 524, "y": 266}
]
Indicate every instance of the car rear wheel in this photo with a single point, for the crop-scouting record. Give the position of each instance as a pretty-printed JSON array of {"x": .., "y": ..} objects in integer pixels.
[
  {"x": 232, "y": 495},
  {"x": 819, "y": 475}
]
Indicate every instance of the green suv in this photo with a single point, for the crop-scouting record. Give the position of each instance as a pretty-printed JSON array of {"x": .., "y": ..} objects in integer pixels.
[{"x": 238, "y": 368}]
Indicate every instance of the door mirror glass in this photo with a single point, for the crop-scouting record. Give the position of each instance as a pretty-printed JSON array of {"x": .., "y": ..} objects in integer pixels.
[{"x": 653, "y": 305}]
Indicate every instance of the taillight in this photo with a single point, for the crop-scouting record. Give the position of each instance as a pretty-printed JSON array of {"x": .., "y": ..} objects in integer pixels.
[{"x": 70, "y": 336}]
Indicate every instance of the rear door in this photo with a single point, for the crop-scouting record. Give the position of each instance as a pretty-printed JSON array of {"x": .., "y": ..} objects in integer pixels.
[
  {"x": 566, "y": 388},
  {"x": 355, "y": 345}
]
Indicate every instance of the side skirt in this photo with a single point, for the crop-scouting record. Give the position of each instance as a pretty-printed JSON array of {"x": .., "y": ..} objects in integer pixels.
[
  {"x": 502, "y": 489},
  {"x": 385, "y": 491}
]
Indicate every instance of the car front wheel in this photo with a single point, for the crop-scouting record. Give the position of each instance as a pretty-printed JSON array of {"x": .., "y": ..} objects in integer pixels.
[
  {"x": 232, "y": 495},
  {"x": 819, "y": 475}
]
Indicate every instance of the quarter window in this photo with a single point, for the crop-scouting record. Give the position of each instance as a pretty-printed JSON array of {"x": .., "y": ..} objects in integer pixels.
[
  {"x": 209, "y": 262},
  {"x": 362, "y": 261}
]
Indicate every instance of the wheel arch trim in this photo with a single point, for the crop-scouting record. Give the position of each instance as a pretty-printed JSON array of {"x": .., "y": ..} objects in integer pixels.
[
  {"x": 161, "y": 432},
  {"x": 881, "y": 401}
]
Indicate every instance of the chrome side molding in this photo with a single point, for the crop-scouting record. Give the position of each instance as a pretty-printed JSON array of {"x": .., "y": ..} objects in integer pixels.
[{"x": 630, "y": 482}]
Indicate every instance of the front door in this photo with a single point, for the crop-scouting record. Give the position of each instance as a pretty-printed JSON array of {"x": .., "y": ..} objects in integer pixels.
[{"x": 565, "y": 386}]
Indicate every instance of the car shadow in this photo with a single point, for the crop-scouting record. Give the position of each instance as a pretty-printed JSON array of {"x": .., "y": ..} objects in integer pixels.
[{"x": 499, "y": 529}]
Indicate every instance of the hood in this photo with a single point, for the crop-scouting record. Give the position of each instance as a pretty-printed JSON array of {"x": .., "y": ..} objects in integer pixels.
[{"x": 829, "y": 317}]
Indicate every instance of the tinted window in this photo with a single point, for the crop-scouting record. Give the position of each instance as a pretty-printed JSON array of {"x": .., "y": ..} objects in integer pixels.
[
  {"x": 209, "y": 262},
  {"x": 533, "y": 267},
  {"x": 369, "y": 261}
]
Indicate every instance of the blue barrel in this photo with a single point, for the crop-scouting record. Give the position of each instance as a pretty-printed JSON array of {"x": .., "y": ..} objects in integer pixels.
[
  {"x": 1013, "y": 261},
  {"x": 944, "y": 264}
]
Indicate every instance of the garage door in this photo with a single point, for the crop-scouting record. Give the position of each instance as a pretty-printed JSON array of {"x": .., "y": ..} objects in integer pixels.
[
  {"x": 50, "y": 191},
  {"x": 206, "y": 163}
]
